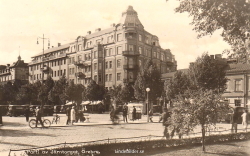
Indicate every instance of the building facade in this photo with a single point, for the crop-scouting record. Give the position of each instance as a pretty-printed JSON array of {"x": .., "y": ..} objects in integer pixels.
[
  {"x": 17, "y": 71},
  {"x": 111, "y": 56}
]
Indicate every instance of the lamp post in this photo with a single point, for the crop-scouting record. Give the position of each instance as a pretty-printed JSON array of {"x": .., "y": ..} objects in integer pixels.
[
  {"x": 42, "y": 61},
  {"x": 147, "y": 90}
]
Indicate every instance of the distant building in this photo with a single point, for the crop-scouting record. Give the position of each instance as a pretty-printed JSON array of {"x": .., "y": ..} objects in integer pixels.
[
  {"x": 237, "y": 93},
  {"x": 17, "y": 71},
  {"x": 111, "y": 56}
]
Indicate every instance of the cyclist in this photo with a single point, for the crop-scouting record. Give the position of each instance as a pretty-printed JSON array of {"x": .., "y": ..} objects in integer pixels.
[
  {"x": 39, "y": 116},
  {"x": 165, "y": 116}
]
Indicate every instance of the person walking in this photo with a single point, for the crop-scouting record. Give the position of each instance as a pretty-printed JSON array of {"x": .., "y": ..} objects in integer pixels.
[
  {"x": 150, "y": 114},
  {"x": 68, "y": 115},
  {"x": 244, "y": 120},
  {"x": 134, "y": 113},
  {"x": 234, "y": 122},
  {"x": 39, "y": 116},
  {"x": 27, "y": 114},
  {"x": 73, "y": 115},
  {"x": 164, "y": 118},
  {"x": 125, "y": 113}
]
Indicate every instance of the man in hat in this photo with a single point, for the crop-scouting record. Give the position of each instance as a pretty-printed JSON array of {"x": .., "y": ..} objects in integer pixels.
[
  {"x": 39, "y": 116},
  {"x": 164, "y": 117}
]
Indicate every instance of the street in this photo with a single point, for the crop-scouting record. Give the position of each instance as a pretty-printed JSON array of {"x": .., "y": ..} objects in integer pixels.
[{"x": 16, "y": 134}]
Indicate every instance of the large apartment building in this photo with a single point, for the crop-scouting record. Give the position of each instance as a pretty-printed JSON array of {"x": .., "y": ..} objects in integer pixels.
[
  {"x": 110, "y": 57},
  {"x": 16, "y": 71}
]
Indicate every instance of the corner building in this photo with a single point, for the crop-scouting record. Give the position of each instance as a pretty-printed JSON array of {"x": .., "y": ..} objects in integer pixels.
[{"x": 111, "y": 56}]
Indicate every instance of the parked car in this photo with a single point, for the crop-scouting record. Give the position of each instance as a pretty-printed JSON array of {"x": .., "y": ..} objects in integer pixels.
[{"x": 16, "y": 110}]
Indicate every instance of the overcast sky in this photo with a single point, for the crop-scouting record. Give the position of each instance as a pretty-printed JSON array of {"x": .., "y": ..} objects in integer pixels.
[{"x": 63, "y": 21}]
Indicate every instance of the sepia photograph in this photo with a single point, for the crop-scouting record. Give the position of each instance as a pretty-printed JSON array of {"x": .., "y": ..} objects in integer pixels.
[{"x": 124, "y": 78}]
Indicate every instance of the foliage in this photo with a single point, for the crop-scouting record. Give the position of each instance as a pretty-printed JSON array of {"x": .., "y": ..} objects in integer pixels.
[
  {"x": 94, "y": 91},
  {"x": 9, "y": 93},
  {"x": 116, "y": 94},
  {"x": 230, "y": 16},
  {"x": 57, "y": 93},
  {"x": 208, "y": 73},
  {"x": 148, "y": 77},
  {"x": 74, "y": 92},
  {"x": 127, "y": 93},
  {"x": 177, "y": 86}
]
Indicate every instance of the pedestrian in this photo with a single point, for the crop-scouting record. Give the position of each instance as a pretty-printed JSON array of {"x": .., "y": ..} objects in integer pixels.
[
  {"x": 68, "y": 109},
  {"x": 234, "y": 122},
  {"x": 134, "y": 113},
  {"x": 125, "y": 113},
  {"x": 73, "y": 115},
  {"x": 150, "y": 114},
  {"x": 244, "y": 120},
  {"x": 164, "y": 118},
  {"x": 39, "y": 116},
  {"x": 27, "y": 114}
]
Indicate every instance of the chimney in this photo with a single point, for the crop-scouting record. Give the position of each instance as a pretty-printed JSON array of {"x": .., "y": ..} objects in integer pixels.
[
  {"x": 112, "y": 25},
  {"x": 8, "y": 65},
  {"x": 52, "y": 46},
  {"x": 212, "y": 56},
  {"x": 98, "y": 29},
  {"x": 59, "y": 44},
  {"x": 89, "y": 32}
]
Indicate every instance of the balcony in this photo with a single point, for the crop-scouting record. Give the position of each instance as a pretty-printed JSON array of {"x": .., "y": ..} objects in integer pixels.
[
  {"x": 62, "y": 55},
  {"x": 5, "y": 73},
  {"x": 80, "y": 63},
  {"x": 45, "y": 69},
  {"x": 80, "y": 75},
  {"x": 130, "y": 53},
  {"x": 130, "y": 66}
]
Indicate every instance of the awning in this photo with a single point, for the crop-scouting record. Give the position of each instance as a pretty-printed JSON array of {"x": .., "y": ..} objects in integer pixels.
[
  {"x": 85, "y": 103},
  {"x": 95, "y": 102},
  {"x": 69, "y": 103}
]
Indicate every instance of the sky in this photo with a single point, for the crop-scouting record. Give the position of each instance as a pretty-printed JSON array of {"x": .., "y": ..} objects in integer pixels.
[{"x": 62, "y": 21}]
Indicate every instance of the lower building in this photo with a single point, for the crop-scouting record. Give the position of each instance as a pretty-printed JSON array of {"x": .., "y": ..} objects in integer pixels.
[{"x": 13, "y": 72}]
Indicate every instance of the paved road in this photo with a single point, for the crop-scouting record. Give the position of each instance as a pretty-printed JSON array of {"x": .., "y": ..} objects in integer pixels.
[{"x": 16, "y": 134}]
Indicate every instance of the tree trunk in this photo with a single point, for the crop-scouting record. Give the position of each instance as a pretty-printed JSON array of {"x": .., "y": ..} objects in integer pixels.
[{"x": 203, "y": 138}]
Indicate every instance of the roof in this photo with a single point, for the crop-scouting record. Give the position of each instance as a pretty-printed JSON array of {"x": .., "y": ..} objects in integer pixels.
[
  {"x": 99, "y": 33},
  {"x": 171, "y": 74},
  {"x": 239, "y": 67},
  {"x": 53, "y": 49}
]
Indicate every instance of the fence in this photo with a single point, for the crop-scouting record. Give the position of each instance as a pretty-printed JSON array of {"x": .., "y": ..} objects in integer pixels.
[{"x": 138, "y": 143}]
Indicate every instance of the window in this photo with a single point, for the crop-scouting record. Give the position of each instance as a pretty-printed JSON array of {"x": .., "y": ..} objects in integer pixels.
[
  {"x": 118, "y": 64},
  {"x": 162, "y": 57},
  {"x": 140, "y": 50},
  {"x": 110, "y": 64},
  {"x": 79, "y": 57},
  {"x": 110, "y": 51},
  {"x": 64, "y": 71},
  {"x": 146, "y": 39},
  {"x": 79, "y": 47},
  {"x": 95, "y": 78},
  {"x": 95, "y": 54},
  {"x": 61, "y": 72},
  {"x": 107, "y": 53},
  {"x": 100, "y": 66},
  {"x": 58, "y": 73},
  {"x": 119, "y": 50},
  {"x": 131, "y": 47},
  {"x": 130, "y": 62},
  {"x": 238, "y": 85},
  {"x": 140, "y": 37},
  {"x": 86, "y": 57},
  {"x": 118, "y": 76},
  {"x": 110, "y": 77},
  {"x": 106, "y": 65},
  {"x": 237, "y": 102},
  {"x": 119, "y": 37},
  {"x": 155, "y": 55},
  {"x": 95, "y": 66},
  {"x": 106, "y": 77},
  {"x": 55, "y": 73}
]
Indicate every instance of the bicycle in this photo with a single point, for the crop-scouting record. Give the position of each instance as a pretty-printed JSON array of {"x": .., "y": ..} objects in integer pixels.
[
  {"x": 56, "y": 119},
  {"x": 46, "y": 123}
]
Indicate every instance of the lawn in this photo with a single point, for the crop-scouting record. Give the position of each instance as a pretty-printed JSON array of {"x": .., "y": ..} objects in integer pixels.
[{"x": 240, "y": 148}]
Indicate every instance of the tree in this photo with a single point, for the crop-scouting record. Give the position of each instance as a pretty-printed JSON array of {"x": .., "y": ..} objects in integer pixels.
[
  {"x": 94, "y": 91},
  {"x": 116, "y": 93},
  {"x": 74, "y": 92},
  {"x": 9, "y": 93},
  {"x": 231, "y": 16},
  {"x": 127, "y": 93},
  {"x": 208, "y": 73},
  {"x": 207, "y": 82},
  {"x": 150, "y": 77},
  {"x": 57, "y": 93},
  {"x": 177, "y": 86}
]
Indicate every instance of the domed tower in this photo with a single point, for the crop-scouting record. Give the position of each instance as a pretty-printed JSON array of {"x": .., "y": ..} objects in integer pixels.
[{"x": 130, "y": 18}]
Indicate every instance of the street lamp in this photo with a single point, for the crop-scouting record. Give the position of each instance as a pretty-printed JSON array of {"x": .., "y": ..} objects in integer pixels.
[
  {"x": 43, "y": 58},
  {"x": 147, "y": 90}
]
